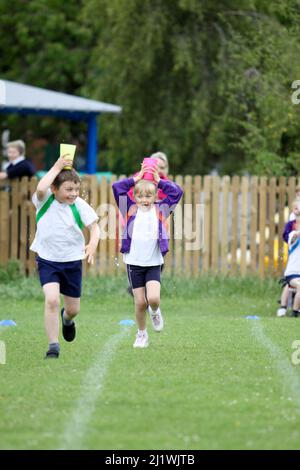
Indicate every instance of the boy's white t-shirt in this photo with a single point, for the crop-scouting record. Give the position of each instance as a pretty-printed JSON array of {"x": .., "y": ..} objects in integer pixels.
[
  {"x": 58, "y": 237},
  {"x": 144, "y": 249},
  {"x": 293, "y": 263}
]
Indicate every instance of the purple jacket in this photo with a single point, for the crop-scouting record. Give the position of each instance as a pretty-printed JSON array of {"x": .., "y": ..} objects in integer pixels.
[
  {"x": 128, "y": 209},
  {"x": 289, "y": 227}
]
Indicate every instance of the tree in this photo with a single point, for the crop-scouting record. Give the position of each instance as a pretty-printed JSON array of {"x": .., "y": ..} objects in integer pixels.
[
  {"x": 43, "y": 43},
  {"x": 209, "y": 83}
]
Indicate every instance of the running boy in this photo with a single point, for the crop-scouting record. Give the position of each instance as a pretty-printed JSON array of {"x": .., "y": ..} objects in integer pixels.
[
  {"x": 145, "y": 242},
  {"x": 60, "y": 246}
]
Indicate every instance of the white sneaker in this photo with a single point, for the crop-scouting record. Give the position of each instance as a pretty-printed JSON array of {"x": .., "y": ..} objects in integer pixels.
[
  {"x": 156, "y": 319},
  {"x": 281, "y": 312},
  {"x": 141, "y": 340}
]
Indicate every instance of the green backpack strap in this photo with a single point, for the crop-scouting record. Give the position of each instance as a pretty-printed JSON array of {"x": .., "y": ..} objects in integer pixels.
[
  {"x": 77, "y": 216},
  {"x": 73, "y": 208},
  {"x": 44, "y": 208}
]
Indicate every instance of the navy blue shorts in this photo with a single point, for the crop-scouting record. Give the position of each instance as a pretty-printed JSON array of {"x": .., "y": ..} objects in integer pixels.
[
  {"x": 68, "y": 275},
  {"x": 138, "y": 276},
  {"x": 292, "y": 276}
]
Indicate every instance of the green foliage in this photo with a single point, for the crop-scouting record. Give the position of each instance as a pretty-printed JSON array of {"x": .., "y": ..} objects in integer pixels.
[
  {"x": 47, "y": 45},
  {"x": 268, "y": 164},
  {"x": 43, "y": 43},
  {"x": 258, "y": 67},
  {"x": 18, "y": 287},
  {"x": 12, "y": 272},
  {"x": 208, "y": 83}
]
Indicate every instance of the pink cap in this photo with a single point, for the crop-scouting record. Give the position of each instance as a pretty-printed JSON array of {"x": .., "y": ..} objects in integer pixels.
[{"x": 151, "y": 163}]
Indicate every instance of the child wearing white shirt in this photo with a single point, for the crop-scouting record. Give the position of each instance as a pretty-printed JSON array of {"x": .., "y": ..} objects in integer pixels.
[
  {"x": 145, "y": 242},
  {"x": 292, "y": 273},
  {"x": 60, "y": 246}
]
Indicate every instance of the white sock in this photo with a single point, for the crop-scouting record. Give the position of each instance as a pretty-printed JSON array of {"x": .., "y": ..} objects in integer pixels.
[
  {"x": 155, "y": 311},
  {"x": 142, "y": 332}
]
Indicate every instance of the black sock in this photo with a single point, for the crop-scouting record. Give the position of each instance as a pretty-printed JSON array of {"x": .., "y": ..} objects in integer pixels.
[{"x": 54, "y": 346}]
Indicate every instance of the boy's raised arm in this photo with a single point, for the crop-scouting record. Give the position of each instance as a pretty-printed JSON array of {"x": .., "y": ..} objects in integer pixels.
[{"x": 47, "y": 180}]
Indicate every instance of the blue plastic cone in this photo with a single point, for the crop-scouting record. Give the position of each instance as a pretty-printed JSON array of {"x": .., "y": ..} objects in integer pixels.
[
  {"x": 7, "y": 323},
  {"x": 127, "y": 322}
]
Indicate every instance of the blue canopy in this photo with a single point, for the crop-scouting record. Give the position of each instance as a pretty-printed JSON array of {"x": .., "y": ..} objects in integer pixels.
[{"x": 26, "y": 99}]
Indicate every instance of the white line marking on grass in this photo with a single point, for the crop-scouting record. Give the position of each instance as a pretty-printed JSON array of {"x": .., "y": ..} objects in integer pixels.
[
  {"x": 291, "y": 381},
  {"x": 91, "y": 389}
]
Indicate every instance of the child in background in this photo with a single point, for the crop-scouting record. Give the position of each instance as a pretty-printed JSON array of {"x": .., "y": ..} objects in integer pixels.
[
  {"x": 60, "y": 245},
  {"x": 297, "y": 198},
  {"x": 145, "y": 242},
  {"x": 291, "y": 227},
  {"x": 163, "y": 171},
  {"x": 163, "y": 164},
  {"x": 18, "y": 166}
]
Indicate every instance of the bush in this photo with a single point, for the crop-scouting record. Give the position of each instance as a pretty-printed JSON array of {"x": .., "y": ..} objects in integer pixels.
[{"x": 12, "y": 272}]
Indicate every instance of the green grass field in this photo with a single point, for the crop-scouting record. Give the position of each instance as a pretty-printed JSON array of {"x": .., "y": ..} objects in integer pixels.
[{"x": 211, "y": 380}]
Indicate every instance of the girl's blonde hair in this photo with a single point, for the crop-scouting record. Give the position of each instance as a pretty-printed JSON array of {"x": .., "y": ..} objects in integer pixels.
[
  {"x": 296, "y": 202},
  {"x": 162, "y": 156},
  {"x": 145, "y": 187}
]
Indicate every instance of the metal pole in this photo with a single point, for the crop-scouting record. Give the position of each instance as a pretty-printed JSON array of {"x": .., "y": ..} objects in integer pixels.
[{"x": 92, "y": 145}]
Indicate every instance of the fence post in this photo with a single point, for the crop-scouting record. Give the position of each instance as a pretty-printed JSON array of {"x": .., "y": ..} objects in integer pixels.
[
  {"x": 187, "y": 223},
  {"x": 244, "y": 224},
  {"x": 262, "y": 225},
  {"x": 197, "y": 208},
  {"x": 112, "y": 227},
  {"x": 4, "y": 227},
  {"x": 103, "y": 214},
  {"x": 207, "y": 223},
  {"x": 272, "y": 212},
  {"x": 15, "y": 218},
  {"x": 224, "y": 234},
  {"x": 178, "y": 229},
  {"x": 282, "y": 202},
  {"x": 93, "y": 199},
  {"x": 215, "y": 224},
  {"x": 234, "y": 227}
]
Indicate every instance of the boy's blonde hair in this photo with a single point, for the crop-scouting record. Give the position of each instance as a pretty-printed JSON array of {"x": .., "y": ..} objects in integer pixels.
[
  {"x": 145, "y": 187},
  {"x": 19, "y": 145},
  {"x": 162, "y": 156}
]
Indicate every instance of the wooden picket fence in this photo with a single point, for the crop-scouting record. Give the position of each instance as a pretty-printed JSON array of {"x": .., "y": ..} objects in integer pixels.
[{"x": 229, "y": 225}]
